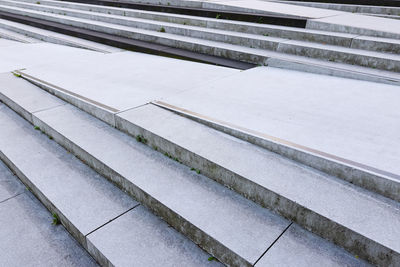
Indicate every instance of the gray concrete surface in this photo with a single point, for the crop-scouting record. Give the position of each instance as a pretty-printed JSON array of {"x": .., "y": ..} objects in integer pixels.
[
  {"x": 172, "y": 189},
  {"x": 27, "y": 237},
  {"x": 352, "y": 119},
  {"x": 131, "y": 238},
  {"x": 147, "y": 30},
  {"x": 85, "y": 203}
]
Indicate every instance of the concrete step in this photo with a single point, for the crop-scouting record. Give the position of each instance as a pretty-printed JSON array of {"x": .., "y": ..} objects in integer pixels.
[
  {"x": 28, "y": 237},
  {"x": 109, "y": 224},
  {"x": 232, "y": 228},
  {"x": 367, "y": 9},
  {"x": 218, "y": 30},
  {"x": 235, "y": 52},
  {"x": 10, "y": 35},
  {"x": 33, "y": 33}
]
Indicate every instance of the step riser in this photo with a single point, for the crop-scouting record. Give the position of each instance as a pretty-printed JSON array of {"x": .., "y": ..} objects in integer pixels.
[
  {"x": 308, "y": 219},
  {"x": 367, "y": 61}
]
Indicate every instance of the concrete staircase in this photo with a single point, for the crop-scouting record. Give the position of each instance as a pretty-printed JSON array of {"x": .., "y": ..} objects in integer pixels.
[
  {"x": 368, "y": 57},
  {"x": 169, "y": 173},
  {"x": 238, "y": 200}
]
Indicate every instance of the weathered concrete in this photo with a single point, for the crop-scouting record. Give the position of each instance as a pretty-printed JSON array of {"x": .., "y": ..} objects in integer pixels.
[
  {"x": 84, "y": 201},
  {"x": 9, "y": 185},
  {"x": 20, "y": 32},
  {"x": 306, "y": 250},
  {"x": 143, "y": 180},
  {"x": 10, "y": 35},
  {"x": 186, "y": 37},
  {"x": 142, "y": 239},
  {"x": 27, "y": 236}
]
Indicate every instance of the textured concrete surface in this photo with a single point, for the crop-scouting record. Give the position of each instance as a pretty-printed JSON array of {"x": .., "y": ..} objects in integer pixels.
[
  {"x": 240, "y": 225},
  {"x": 128, "y": 74},
  {"x": 130, "y": 239},
  {"x": 27, "y": 55},
  {"x": 352, "y": 119},
  {"x": 27, "y": 237},
  {"x": 306, "y": 249},
  {"x": 79, "y": 193},
  {"x": 9, "y": 185},
  {"x": 342, "y": 203},
  {"x": 21, "y": 32}
]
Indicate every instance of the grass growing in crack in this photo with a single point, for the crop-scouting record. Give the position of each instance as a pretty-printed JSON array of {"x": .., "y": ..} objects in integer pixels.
[
  {"x": 36, "y": 128},
  {"x": 195, "y": 170},
  {"x": 171, "y": 157},
  {"x": 141, "y": 139},
  {"x": 211, "y": 258},
  {"x": 155, "y": 147},
  {"x": 17, "y": 75},
  {"x": 50, "y": 137},
  {"x": 56, "y": 219},
  {"x": 38, "y": 2},
  {"x": 218, "y": 16},
  {"x": 162, "y": 29}
]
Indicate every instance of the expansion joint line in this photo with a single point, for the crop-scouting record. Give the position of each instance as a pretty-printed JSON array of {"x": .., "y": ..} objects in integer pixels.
[{"x": 273, "y": 243}]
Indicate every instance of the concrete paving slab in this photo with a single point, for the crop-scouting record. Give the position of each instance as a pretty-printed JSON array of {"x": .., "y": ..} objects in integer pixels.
[
  {"x": 6, "y": 42},
  {"x": 139, "y": 78},
  {"x": 10, "y": 186},
  {"x": 19, "y": 56},
  {"x": 306, "y": 250},
  {"x": 352, "y": 119},
  {"x": 82, "y": 195},
  {"x": 133, "y": 238},
  {"x": 360, "y": 24},
  {"x": 27, "y": 237}
]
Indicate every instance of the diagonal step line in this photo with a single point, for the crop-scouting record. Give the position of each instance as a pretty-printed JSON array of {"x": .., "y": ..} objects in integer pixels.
[
  {"x": 273, "y": 243},
  {"x": 113, "y": 219},
  {"x": 11, "y": 197}
]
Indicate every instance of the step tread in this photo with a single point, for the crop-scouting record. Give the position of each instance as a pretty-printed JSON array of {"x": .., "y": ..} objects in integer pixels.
[
  {"x": 339, "y": 201},
  {"x": 241, "y": 225},
  {"x": 28, "y": 237}
]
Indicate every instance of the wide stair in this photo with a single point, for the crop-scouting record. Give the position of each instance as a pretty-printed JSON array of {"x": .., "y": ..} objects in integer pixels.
[
  {"x": 243, "y": 203},
  {"x": 370, "y": 57}
]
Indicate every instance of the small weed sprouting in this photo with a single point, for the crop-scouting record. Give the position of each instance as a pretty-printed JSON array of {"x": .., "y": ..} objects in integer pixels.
[
  {"x": 50, "y": 137},
  {"x": 211, "y": 258},
  {"x": 155, "y": 147},
  {"x": 36, "y": 128},
  {"x": 141, "y": 139},
  {"x": 162, "y": 29},
  {"x": 266, "y": 34},
  {"x": 38, "y": 2},
  {"x": 195, "y": 170},
  {"x": 218, "y": 16},
  {"x": 56, "y": 219},
  {"x": 17, "y": 75}
]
